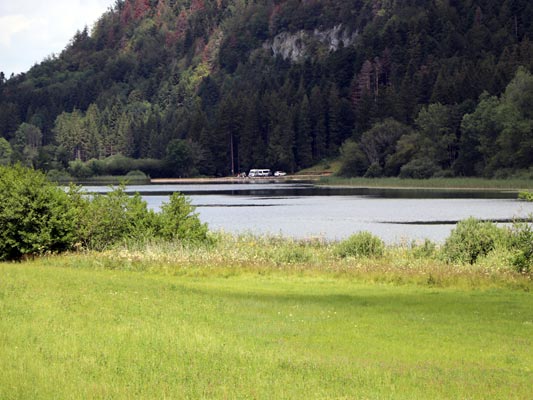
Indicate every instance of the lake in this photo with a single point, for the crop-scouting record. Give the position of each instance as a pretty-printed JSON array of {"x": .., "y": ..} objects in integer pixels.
[{"x": 307, "y": 211}]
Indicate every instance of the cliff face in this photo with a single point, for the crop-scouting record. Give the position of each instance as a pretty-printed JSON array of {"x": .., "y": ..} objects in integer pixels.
[{"x": 304, "y": 44}]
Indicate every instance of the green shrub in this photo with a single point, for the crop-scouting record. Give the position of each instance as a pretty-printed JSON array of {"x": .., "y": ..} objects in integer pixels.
[
  {"x": 422, "y": 168},
  {"x": 136, "y": 174},
  {"x": 362, "y": 244},
  {"x": 38, "y": 217},
  {"x": 79, "y": 169},
  {"x": 97, "y": 167},
  {"x": 136, "y": 177},
  {"x": 177, "y": 220},
  {"x": 527, "y": 196},
  {"x": 108, "y": 219},
  {"x": 522, "y": 247},
  {"x": 121, "y": 165},
  {"x": 55, "y": 175},
  {"x": 426, "y": 250},
  {"x": 374, "y": 171},
  {"x": 115, "y": 217},
  {"x": 353, "y": 161},
  {"x": 118, "y": 165},
  {"x": 35, "y": 216},
  {"x": 472, "y": 239}
]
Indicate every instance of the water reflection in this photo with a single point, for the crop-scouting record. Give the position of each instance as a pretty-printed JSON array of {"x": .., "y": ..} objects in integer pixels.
[{"x": 286, "y": 189}]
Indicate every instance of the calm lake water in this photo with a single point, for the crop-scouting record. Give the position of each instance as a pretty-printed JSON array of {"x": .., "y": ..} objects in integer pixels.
[{"x": 305, "y": 211}]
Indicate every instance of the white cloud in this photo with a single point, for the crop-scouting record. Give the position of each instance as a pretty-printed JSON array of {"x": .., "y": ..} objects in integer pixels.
[
  {"x": 31, "y": 30},
  {"x": 11, "y": 25}
]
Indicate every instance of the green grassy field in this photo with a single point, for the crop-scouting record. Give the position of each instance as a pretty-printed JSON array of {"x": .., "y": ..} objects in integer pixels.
[
  {"x": 86, "y": 327},
  {"x": 513, "y": 184}
]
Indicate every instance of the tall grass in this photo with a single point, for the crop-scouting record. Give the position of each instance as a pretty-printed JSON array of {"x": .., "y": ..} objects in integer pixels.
[
  {"x": 422, "y": 264},
  {"x": 103, "y": 180}
]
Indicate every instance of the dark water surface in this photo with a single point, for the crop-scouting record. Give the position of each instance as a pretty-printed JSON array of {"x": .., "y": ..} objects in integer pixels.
[{"x": 304, "y": 210}]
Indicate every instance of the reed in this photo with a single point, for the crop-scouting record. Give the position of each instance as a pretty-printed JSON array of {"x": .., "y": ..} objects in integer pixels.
[{"x": 514, "y": 184}]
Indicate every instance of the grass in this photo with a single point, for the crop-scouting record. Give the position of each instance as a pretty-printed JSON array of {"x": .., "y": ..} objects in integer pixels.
[
  {"x": 329, "y": 166},
  {"x": 409, "y": 263},
  {"x": 105, "y": 180},
  {"x": 433, "y": 183},
  {"x": 332, "y": 167},
  {"x": 263, "y": 318}
]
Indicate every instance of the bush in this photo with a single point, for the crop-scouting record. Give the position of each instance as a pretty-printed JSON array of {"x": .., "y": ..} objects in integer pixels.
[
  {"x": 151, "y": 167},
  {"x": 36, "y": 217},
  {"x": 426, "y": 250},
  {"x": 472, "y": 239},
  {"x": 362, "y": 244},
  {"x": 108, "y": 219},
  {"x": 121, "y": 165},
  {"x": 522, "y": 247},
  {"x": 527, "y": 196},
  {"x": 79, "y": 169},
  {"x": 97, "y": 167},
  {"x": 136, "y": 174},
  {"x": 353, "y": 160},
  {"x": 136, "y": 178},
  {"x": 177, "y": 220},
  {"x": 374, "y": 171},
  {"x": 55, "y": 175},
  {"x": 422, "y": 168}
]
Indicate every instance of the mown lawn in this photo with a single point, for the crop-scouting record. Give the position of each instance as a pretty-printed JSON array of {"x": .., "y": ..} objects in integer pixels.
[{"x": 68, "y": 333}]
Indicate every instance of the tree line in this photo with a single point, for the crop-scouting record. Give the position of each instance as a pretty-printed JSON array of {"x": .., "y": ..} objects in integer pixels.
[{"x": 494, "y": 139}]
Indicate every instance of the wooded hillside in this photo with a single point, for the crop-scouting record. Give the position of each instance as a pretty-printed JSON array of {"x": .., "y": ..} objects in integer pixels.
[{"x": 415, "y": 88}]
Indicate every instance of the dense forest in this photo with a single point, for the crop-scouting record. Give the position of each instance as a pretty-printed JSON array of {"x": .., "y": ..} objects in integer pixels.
[{"x": 413, "y": 88}]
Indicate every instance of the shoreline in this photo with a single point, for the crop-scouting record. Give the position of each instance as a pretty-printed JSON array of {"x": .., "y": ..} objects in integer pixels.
[
  {"x": 269, "y": 179},
  {"x": 315, "y": 179}
]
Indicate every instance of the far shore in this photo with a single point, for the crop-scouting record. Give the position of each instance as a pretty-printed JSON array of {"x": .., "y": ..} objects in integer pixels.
[
  {"x": 326, "y": 180},
  {"x": 235, "y": 179}
]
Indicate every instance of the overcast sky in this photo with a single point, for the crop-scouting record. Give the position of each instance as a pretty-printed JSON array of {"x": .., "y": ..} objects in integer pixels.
[{"x": 31, "y": 30}]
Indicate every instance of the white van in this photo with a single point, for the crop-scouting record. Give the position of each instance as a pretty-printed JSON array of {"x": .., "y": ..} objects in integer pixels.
[{"x": 259, "y": 172}]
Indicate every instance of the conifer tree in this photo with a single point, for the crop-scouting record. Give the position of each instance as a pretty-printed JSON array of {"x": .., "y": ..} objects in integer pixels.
[
  {"x": 281, "y": 136},
  {"x": 93, "y": 132},
  {"x": 333, "y": 122},
  {"x": 318, "y": 124},
  {"x": 251, "y": 145},
  {"x": 69, "y": 133},
  {"x": 304, "y": 139}
]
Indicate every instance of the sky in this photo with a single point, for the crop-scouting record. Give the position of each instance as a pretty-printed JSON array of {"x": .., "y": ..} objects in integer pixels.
[{"x": 31, "y": 30}]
